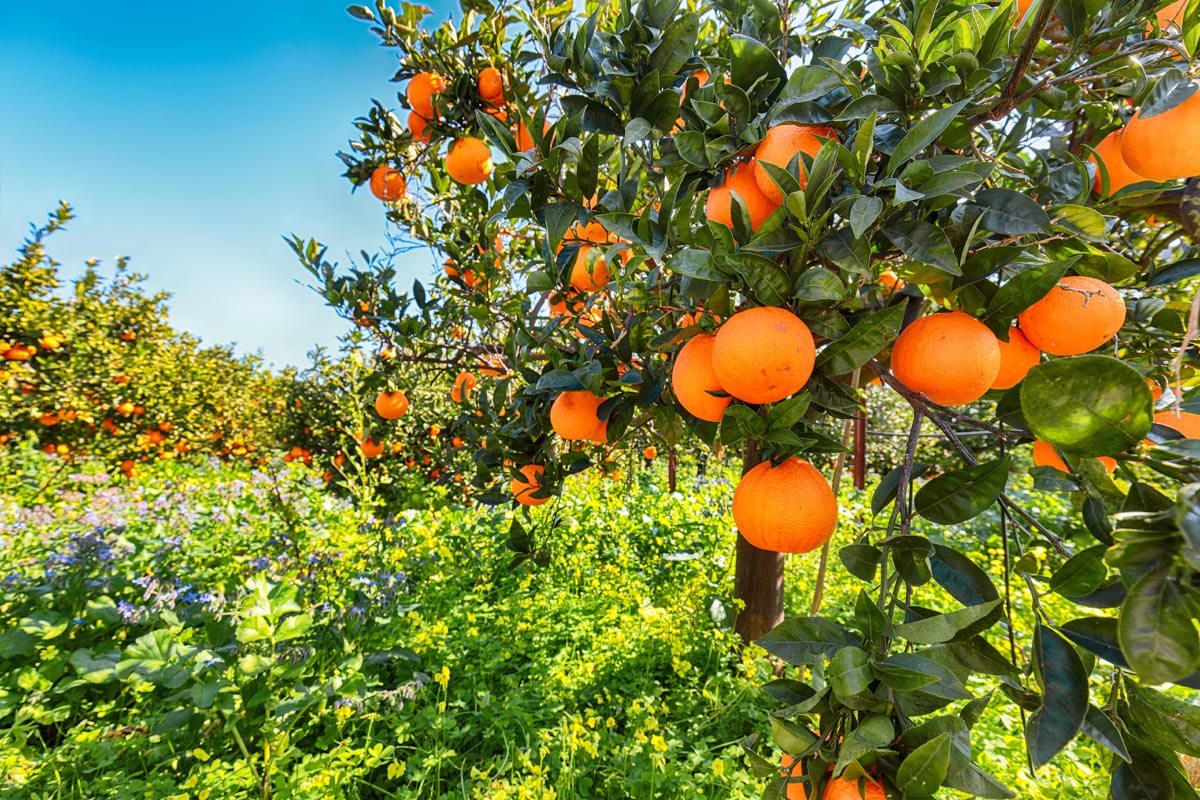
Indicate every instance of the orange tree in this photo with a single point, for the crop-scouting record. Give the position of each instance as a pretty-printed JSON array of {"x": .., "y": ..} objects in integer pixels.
[
  {"x": 97, "y": 370},
  {"x": 719, "y": 221}
]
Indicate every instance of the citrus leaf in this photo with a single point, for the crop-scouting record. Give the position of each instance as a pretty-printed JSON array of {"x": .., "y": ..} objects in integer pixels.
[
  {"x": 1011, "y": 213},
  {"x": 1156, "y": 631},
  {"x": 924, "y": 242},
  {"x": 923, "y": 134},
  {"x": 958, "y": 496},
  {"x": 1087, "y": 405},
  {"x": 944, "y": 627},
  {"x": 862, "y": 343},
  {"x": 924, "y": 769},
  {"x": 1064, "y": 696},
  {"x": 1021, "y": 291}
]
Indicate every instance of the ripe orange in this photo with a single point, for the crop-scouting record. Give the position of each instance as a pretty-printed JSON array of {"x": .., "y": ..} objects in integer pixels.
[
  {"x": 387, "y": 184},
  {"x": 763, "y": 354},
  {"x": 693, "y": 378},
  {"x": 1044, "y": 455},
  {"x": 1172, "y": 15},
  {"x": 370, "y": 448},
  {"x": 469, "y": 161},
  {"x": 523, "y": 489},
  {"x": 421, "y": 89},
  {"x": 463, "y": 384},
  {"x": 795, "y": 791},
  {"x": 1163, "y": 147},
  {"x": 418, "y": 127},
  {"x": 740, "y": 180},
  {"x": 782, "y": 143},
  {"x": 391, "y": 405},
  {"x": 651, "y": 452},
  {"x": 845, "y": 789},
  {"x": 1076, "y": 316},
  {"x": 1017, "y": 357},
  {"x": 1185, "y": 422},
  {"x": 589, "y": 272},
  {"x": 889, "y": 283},
  {"x": 491, "y": 85},
  {"x": 952, "y": 358},
  {"x": 1119, "y": 173},
  {"x": 18, "y": 353},
  {"x": 787, "y": 509},
  {"x": 573, "y": 417}
]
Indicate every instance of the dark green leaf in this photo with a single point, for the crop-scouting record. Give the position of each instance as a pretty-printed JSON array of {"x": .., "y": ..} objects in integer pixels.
[
  {"x": 1098, "y": 727},
  {"x": 864, "y": 341},
  {"x": 1064, "y": 696},
  {"x": 958, "y": 496},
  {"x": 889, "y": 486},
  {"x": 1156, "y": 631},
  {"x": 1021, "y": 291},
  {"x": 1011, "y": 213},
  {"x": 804, "y": 640},
  {"x": 944, "y": 627},
  {"x": 1081, "y": 574},
  {"x": 861, "y": 560},
  {"x": 848, "y": 672},
  {"x": 961, "y": 577},
  {"x": 926, "y": 243},
  {"x": 924, "y": 769},
  {"x": 923, "y": 134}
]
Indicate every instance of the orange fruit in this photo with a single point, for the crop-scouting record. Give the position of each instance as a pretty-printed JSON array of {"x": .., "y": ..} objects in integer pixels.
[
  {"x": 739, "y": 180},
  {"x": 391, "y": 405},
  {"x": 421, "y": 89},
  {"x": 491, "y": 85},
  {"x": 463, "y": 384},
  {"x": 795, "y": 791},
  {"x": 693, "y": 378},
  {"x": 763, "y": 354},
  {"x": 787, "y": 509},
  {"x": 845, "y": 789},
  {"x": 469, "y": 161},
  {"x": 524, "y": 137},
  {"x": 418, "y": 127},
  {"x": 651, "y": 452},
  {"x": 1156, "y": 391},
  {"x": 951, "y": 358},
  {"x": 1185, "y": 422},
  {"x": 387, "y": 184},
  {"x": 589, "y": 272},
  {"x": 370, "y": 448},
  {"x": 523, "y": 489},
  {"x": 1170, "y": 17},
  {"x": 1163, "y": 147},
  {"x": 573, "y": 416},
  {"x": 1078, "y": 315},
  {"x": 1017, "y": 357},
  {"x": 48, "y": 419},
  {"x": 1044, "y": 455},
  {"x": 1119, "y": 173},
  {"x": 701, "y": 75},
  {"x": 781, "y": 144},
  {"x": 889, "y": 283}
]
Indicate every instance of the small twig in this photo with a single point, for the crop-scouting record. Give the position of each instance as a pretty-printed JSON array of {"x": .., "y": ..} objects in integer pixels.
[{"x": 1193, "y": 330}]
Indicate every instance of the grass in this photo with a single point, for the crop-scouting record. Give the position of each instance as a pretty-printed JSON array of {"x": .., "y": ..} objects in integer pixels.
[{"x": 205, "y": 633}]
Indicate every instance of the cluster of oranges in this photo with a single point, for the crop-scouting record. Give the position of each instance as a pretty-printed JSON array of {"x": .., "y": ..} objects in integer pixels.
[{"x": 752, "y": 181}]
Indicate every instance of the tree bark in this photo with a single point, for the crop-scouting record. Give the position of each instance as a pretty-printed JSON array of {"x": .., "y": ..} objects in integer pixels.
[{"x": 758, "y": 578}]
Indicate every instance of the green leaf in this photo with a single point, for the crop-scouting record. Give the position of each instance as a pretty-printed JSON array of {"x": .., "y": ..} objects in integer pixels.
[
  {"x": 1064, "y": 696},
  {"x": 923, "y": 770},
  {"x": 677, "y": 44},
  {"x": 958, "y": 496},
  {"x": 926, "y": 243},
  {"x": 819, "y": 285},
  {"x": 1171, "y": 90},
  {"x": 1180, "y": 270},
  {"x": 861, "y": 560},
  {"x": 848, "y": 672},
  {"x": 863, "y": 214},
  {"x": 697, "y": 264},
  {"x": 767, "y": 281},
  {"x": 1011, "y": 213},
  {"x": 862, "y": 343},
  {"x": 1098, "y": 727},
  {"x": 961, "y": 577},
  {"x": 1021, "y": 291},
  {"x": 1082, "y": 220},
  {"x": 751, "y": 61},
  {"x": 1082, "y": 573},
  {"x": 923, "y": 134},
  {"x": 1156, "y": 631},
  {"x": 784, "y": 415},
  {"x": 889, "y": 485},
  {"x": 1166, "y": 720},
  {"x": 946, "y": 686},
  {"x": 1087, "y": 405},
  {"x": 804, "y": 640},
  {"x": 944, "y": 627},
  {"x": 792, "y": 737}
]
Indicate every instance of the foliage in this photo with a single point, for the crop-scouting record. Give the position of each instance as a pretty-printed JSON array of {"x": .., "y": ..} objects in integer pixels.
[{"x": 959, "y": 163}]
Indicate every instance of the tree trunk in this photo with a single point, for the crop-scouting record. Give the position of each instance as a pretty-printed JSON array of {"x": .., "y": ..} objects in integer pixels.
[
  {"x": 860, "y": 449},
  {"x": 758, "y": 578}
]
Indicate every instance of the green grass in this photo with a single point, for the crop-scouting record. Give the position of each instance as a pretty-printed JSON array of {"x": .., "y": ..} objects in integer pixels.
[{"x": 207, "y": 634}]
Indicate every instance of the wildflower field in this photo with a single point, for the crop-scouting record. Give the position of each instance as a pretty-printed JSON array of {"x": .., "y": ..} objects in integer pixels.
[{"x": 215, "y": 632}]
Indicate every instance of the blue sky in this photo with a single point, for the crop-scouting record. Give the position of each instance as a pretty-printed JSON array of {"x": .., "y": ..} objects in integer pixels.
[{"x": 192, "y": 137}]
